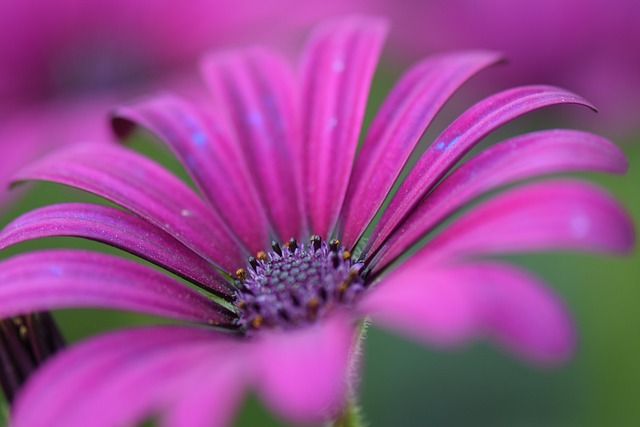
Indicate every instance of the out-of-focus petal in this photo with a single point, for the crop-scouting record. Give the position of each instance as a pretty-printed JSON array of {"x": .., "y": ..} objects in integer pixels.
[
  {"x": 255, "y": 90},
  {"x": 518, "y": 158},
  {"x": 145, "y": 188},
  {"x": 208, "y": 154},
  {"x": 123, "y": 377},
  {"x": 52, "y": 279},
  {"x": 407, "y": 111},
  {"x": 302, "y": 374},
  {"x": 456, "y": 140},
  {"x": 337, "y": 68},
  {"x": 551, "y": 215},
  {"x": 448, "y": 305},
  {"x": 120, "y": 229}
]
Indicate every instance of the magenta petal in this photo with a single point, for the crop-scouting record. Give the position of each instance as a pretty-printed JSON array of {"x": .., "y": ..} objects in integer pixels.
[
  {"x": 52, "y": 279},
  {"x": 123, "y": 377},
  {"x": 145, "y": 188},
  {"x": 337, "y": 70},
  {"x": 209, "y": 155},
  {"x": 120, "y": 229},
  {"x": 559, "y": 214},
  {"x": 397, "y": 128},
  {"x": 303, "y": 374},
  {"x": 448, "y": 305},
  {"x": 518, "y": 158},
  {"x": 255, "y": 88},
  {"x": 456, "y": 140}
]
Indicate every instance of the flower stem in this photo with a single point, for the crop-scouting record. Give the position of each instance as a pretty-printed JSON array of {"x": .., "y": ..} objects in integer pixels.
[{"x": 350, "y": 417}]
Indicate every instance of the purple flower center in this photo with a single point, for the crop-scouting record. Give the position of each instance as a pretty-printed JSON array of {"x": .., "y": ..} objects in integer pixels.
[{"x": 296, "y": 284}]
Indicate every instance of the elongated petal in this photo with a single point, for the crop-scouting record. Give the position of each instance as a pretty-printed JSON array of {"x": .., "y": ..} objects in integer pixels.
[
  {"x": 448, "y": 305},
  {"x": 120, "y": 229},
  {"x": 145, "y": 188},
  {"x": 518, "y": 158},
  {"x": 303, "y": 374},
  {"x": 456, "y": 140},
  {"x": 397, "y": 128},
  {"x": 336, "y": 73},
  {"x": 255, "y": 89},
  {"x": 123, "y": 377},
  {"x": 53, "y": 279},
  {"x": 209, "y": 155},
  {"x": 551, "y": 215}
]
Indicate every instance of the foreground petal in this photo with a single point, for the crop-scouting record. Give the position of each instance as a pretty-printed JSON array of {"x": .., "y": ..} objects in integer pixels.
[
  {"x": 337, "y": 70},
  {"x": 456, "y": 140},
  {"x": 255, "y": 89},
  {"x": 123, "y": 377},
  {"x": 303, "y": 374},
  {"x": 552, "y": 215},
  {"x": 448, "y": 305},
  {"x": 120, "y": 229},
  {"x": 396, "y": 129},
  {"x": 518, "y": 158},
  {"x": 145, "y": 188},
  {"x": 52, "y": 279},
  {"x": 208, "y": 154}
]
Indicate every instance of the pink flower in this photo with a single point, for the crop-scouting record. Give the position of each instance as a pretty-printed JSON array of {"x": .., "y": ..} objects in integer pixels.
[
  {"x": 589, "y": 46},
  {"x": 276, "y": 168},
  {"x": 63, "y": 63}
]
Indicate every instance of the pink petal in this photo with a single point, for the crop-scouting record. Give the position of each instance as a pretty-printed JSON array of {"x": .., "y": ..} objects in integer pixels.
[
  {"x": 52, "y": 279},
  {"x": 456, "y": 140},
  {"x": 303, "y": 374},
  {"x": 337, "y": 69},
  {"x": 209, "y": 155},
  {"x": 518, "y": 158},
  {"x": 123, "y": 377},
  {"x": 559, "y": 214},
  {"x": 397, "y": 128},
  {"x": 448, "y": 305},
  {"x": 120, "y": 229},
  {"x": 255, "y": 89},
  {"x": 142, "y": 186}
]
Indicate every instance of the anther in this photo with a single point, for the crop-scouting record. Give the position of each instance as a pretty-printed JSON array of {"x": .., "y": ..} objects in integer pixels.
[
  {"x": 346, "y": 255},
  {"x": 262, "y": 256},
  {"x": 241, "y": 274},
  {"x": 335, "y": 259},
  {"x": 256, "y": 321},
  {"x": 312, "y": 308},
  {"x": 316, "y": 241},
  {"x": 253, "y": 263},
  {"x": 292, "y": 245},
  {"x": 276, "y": 247},
  {"x": 333, "y": 245}
]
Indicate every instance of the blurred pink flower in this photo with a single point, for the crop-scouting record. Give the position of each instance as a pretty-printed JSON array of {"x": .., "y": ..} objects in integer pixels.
[
  {"x": 275, "y": 158},
  {"x": 588, "y": 46},
  {"x": 63, "y": 63}
]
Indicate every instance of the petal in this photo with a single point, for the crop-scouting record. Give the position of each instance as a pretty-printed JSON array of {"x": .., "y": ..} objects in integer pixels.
[
  {"x": 559, "y": 214},
  {"x": 208, "y": 154},
  {"x": 397, "y": 128},
  {"x": 456, "y": 140},
  {"x": 145, "y": 188},
  {"x": 448, "y": 305},
  {"x": 337, "y": 69},
  {"x": 52, "y": 279},
  {"x": 119, "y": 229},
  {"x": 255, "y": 89},
  {"x": 124, "y": 377},
  {"x": 518, "y": 158},
  {"x": 302, "y": 374}
]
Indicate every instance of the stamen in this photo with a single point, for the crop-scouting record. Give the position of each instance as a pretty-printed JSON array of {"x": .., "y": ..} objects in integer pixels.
[
  {"x": 292, "y": 245},
  {"x": 276, "y": 247},
  {"x": 316, "y": 241},
  {"x": 333, "y": 245},
  {"x": 241, "y": 274},
  {"x": 253, "y": 263}
]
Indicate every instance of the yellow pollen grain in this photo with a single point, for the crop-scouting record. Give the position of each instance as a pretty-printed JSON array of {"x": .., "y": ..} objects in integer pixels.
[
  {"x": 346, "y": 255},
  {"x": 241, "y": 304},
  {"x": 256, "y": 321},
  {"x": 241, "y": 274},
  {"x": 262, "y": 256}
]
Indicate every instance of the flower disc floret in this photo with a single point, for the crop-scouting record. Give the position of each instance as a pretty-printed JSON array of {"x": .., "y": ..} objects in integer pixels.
[{"x": 295, "y": 285}]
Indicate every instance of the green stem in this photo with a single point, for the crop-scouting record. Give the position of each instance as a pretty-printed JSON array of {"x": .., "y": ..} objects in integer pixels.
[{"x": 350, "y": 417}]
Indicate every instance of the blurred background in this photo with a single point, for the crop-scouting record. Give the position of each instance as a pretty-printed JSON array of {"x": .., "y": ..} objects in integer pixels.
[{"x": 64, "y": 63}]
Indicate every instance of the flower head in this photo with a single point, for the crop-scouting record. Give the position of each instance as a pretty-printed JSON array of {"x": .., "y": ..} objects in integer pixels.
[{"x": 275, "y": 244}]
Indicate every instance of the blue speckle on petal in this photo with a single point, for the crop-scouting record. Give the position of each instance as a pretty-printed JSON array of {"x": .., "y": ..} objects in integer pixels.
[
  {"x": 199, "y": 138},
  {"x": 254, "y": 118},
  {"x": 55, "y": 270},
  {"x": 440, "y": 146}
]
